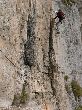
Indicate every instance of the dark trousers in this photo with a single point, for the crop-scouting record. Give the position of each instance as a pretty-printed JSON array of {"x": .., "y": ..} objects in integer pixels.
[{"x": 60, "y": 20}]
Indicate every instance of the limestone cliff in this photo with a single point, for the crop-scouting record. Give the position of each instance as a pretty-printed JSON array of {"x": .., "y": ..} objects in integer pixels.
[{"x": 35, "y": 60}]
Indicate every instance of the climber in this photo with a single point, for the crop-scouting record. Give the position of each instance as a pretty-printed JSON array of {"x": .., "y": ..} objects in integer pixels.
[{"x": 60, "y": 15}]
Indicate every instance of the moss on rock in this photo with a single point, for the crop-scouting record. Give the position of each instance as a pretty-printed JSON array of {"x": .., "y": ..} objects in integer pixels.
[
  {"x": 68, "y": 2},
  {"x": 79, "y": 108},
  {"x": 77, "y": 90},
  {"x": 66, "y": 77}
]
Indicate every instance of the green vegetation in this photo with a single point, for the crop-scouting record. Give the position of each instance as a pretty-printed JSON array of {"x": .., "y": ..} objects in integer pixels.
[
  {"x": 16, "y": 100},
  {"x": 79, "y": 108},
  {"x": 21, "y": 98},
  {"x": 24, "y": 95},
  {"x": 66, "y": 77},
  {"x": 77, "y": 90},
  {"x": 67, "y": 87},
  {"x": 68, "y": 2}
]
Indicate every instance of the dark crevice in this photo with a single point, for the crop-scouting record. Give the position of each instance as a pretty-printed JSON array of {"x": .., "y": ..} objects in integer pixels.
[
  {"x": 52, "y": 67},
  {"x": 29, "y": 56}
]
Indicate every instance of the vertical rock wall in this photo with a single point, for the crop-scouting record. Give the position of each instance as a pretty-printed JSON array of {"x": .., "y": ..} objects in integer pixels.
[
  {"x": 33, "y": 56},
  {"x": 68, "y": 45},
  {"x": 69, "y": 39}
]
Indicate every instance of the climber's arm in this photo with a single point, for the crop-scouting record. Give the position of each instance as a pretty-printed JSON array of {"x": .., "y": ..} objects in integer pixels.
[{"x": 55, "y": 17}]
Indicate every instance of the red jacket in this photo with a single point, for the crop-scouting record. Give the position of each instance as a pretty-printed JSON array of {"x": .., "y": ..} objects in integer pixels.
[{"x": 60, "y": 14}]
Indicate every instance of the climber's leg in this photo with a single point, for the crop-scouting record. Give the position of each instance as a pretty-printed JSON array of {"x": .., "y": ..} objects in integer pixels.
[
  {"x": 57, "y": 29},
  {"x": 60, "y": 20},
  {"x": 57, "y": 25}
]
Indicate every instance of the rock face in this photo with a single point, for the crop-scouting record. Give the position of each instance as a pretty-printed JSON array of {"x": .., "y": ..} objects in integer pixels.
[
  {"x": 34, "y": 58},
  {"x": 68, "y": 44}
]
